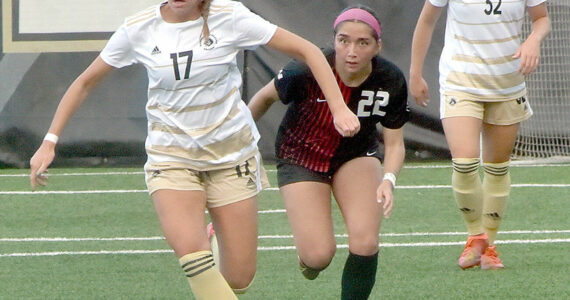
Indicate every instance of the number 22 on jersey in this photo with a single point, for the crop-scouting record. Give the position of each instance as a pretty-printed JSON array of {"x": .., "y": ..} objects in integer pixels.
[{"x": 371, "y": 103}]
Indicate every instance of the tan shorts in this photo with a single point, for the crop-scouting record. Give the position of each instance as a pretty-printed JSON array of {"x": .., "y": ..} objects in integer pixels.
[
  {"x": 222, "y": 187},
  {"x": 496, "y": 113}
]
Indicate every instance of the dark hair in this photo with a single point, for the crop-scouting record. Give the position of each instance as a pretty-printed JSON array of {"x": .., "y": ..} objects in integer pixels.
[{"x": 366, "y": 8}]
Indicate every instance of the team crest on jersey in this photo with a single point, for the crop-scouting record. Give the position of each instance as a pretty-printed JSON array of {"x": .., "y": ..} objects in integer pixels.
[{"x": 210, "y": 43}]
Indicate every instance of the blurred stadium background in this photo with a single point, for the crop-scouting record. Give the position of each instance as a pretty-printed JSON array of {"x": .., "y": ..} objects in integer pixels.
[{"x": 44, "y": 47}]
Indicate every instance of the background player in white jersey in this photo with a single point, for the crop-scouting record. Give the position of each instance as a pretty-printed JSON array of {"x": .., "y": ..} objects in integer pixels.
[
  {"x": 202, "y": 142},
  {"x": 313, "y": 159},
  {"x": 482, "y": 89}
]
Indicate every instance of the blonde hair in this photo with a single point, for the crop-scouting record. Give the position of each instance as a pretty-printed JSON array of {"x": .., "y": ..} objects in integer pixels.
[{"x": 205, "y": 11}]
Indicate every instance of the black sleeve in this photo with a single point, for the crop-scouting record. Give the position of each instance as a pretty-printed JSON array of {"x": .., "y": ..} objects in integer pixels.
[
  {"x": 291, "y": 82},
  {"x": 398, "y": 111}
]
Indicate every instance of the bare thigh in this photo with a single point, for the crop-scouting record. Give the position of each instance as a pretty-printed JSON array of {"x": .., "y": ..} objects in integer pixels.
[
  {"x": 236, "y": 230},
  {"x": 498, "y": 142},
  {"x": 182, "y": 218},
  {"x": 354, "y": 187},
  {"x": 463, "y": 136},
  {"x": 308, "y": 207}
]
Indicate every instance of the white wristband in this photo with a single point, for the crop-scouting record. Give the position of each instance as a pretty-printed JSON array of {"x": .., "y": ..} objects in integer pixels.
[
  {"x": 51, "y": 137},
  {"x": 390, "y": 177}
]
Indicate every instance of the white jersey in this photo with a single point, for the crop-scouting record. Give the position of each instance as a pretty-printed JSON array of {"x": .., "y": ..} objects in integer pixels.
[
  {"x": 195, "y": 113},
  {"x": 481, "y": 36}
]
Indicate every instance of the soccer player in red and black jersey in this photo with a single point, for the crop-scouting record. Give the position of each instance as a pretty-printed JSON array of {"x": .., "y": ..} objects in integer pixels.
[{"x": 314, "y": 160}]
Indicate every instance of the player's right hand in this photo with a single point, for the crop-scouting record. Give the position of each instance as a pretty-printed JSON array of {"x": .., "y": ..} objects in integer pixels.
[
  {"x": 346, "y": 123},
  {"x": 419, "y": 90},
  {"x": 40, "y": 162}
]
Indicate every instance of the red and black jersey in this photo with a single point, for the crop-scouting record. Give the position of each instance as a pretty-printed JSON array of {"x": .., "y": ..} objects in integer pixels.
[{"x": 307, "y": 135}]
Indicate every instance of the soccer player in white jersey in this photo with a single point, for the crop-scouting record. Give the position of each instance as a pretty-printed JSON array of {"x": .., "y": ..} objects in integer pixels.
[
  {"x": 482, "y": 68},
  {"x": 202, "y": 141}
]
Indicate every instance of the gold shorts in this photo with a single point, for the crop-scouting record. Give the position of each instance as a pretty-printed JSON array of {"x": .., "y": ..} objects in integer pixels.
[
  {"x": 222, "y": 187},
  {"x": 496, "y": 113}
]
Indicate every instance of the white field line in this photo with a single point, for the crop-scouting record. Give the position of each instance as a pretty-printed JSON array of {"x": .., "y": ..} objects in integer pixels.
[
  {"x": 267, "y": 237},
  {"x": 275, "y": 248},
  {"x": 273, "y": 170},
  {"x": 401, "y": 187},
  {"x": 272, "y": 211},
  {"x": 59, "y": 253},
  {"x": 79, "y": 174},
  {"x": 72, "y": 192},
  {"x": 429, "y": 244}
]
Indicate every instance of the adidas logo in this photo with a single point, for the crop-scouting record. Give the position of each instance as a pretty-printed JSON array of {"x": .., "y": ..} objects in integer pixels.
[
  {"x": 494, "y": 216},
  {"x": 251, "y": 183},
  {"x": 155, "y": 51}
]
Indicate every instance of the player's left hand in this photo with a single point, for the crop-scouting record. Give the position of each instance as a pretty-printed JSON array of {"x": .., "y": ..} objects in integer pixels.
[
  {"x": 385, "y": 196},
  {"x": 529, "y": 54},
  {"x": 419, "y": 90}
]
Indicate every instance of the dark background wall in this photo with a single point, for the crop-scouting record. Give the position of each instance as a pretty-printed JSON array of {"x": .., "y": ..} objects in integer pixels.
[
  {"x": 313, "y": 20},
  {"x": 110, "y": 127}
]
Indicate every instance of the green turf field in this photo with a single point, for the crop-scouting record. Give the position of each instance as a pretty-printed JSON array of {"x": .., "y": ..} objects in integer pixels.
[{"x": 93, "y": 234}]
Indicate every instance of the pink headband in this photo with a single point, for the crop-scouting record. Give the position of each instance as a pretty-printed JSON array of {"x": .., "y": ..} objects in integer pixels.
[{"x": 359, "y": 15}]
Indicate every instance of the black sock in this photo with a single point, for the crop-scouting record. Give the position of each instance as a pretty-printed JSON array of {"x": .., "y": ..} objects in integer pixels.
[{"x": 359, "y": 276}]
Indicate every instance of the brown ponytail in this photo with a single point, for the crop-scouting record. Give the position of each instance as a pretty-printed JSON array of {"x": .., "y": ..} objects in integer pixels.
[{"x": 205, "y": 9}]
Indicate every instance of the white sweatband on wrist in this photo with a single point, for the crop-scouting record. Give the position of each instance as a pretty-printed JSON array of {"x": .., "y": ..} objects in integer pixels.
[
  {"x": 390, "y": 177},
  {"x": 51, "y": 137}
]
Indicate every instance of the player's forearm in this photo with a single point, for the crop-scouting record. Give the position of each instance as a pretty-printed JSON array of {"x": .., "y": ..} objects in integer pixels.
[
  {"x": 322, "y": 72},
  {"x": 420, "y": 45},
  {"x": 77, "y": 92},
  {"x": 262, "y": 100},
  {"x": 540, "y": 29},
  {"x": 394, "y": 150},
  {"x": 70, "y": 102},
  {"x": 394, "y": 158},
  {"x": 422, "y": 38},
  {"x": 305, "y": 51}
]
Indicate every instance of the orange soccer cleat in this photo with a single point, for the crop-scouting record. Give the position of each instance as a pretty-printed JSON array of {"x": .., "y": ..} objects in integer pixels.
[
  {"x": 474, "y": 248},
  {"x": 490, "y": 259}
]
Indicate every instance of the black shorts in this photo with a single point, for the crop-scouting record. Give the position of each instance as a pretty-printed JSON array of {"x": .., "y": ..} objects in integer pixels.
[{"x": 288, "y": 172}]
